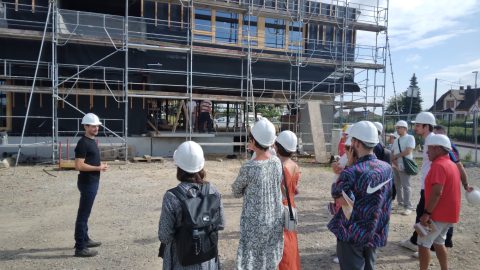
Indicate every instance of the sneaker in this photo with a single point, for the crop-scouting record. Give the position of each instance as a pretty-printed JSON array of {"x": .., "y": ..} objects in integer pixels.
[
  {"x": 85, "y": 252},
  {"x": 407, "y": 212},
  {"x": 408, "y": 245},
  {"x": 432, "y": 254},
  {"x": 335, "y": 260},
  {"x": 91, "y": 243}
]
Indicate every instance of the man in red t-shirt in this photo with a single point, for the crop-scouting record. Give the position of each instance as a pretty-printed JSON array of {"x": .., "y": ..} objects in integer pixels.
[{"x": 442, "y": 201}]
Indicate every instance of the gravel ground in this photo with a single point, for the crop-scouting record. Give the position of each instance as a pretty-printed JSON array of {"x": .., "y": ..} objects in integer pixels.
[{"x": 38, "y": 213}]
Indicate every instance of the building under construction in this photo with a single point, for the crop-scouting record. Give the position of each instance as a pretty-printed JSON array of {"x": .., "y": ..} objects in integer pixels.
[{"x": 137, "y": 63}]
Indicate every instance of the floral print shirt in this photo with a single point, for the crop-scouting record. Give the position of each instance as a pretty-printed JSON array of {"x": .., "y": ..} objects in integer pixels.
[{"x": 261, "y": 224}]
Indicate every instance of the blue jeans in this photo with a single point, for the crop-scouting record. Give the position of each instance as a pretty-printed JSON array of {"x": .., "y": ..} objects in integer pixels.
[{"x": 88, "y": 191}]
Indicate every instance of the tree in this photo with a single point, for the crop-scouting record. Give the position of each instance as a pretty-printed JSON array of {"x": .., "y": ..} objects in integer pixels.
[
  {"x": 409, "y": 102},
  {"x": 268, "y": 111}
]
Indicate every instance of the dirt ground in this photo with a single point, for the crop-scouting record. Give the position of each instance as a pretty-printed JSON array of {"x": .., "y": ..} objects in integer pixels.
[{"x": 38, "y": 213}]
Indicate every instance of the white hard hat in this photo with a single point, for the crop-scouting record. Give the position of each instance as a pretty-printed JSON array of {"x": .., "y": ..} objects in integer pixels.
[
  {"x": 346, "y": 128},
  {"x": 379, "y": 126},
  {"x": 91, "y": 119},
  {"x": 189, "y": 157},
  {"x": 402, "y": 123},
  {"x": 263, "y": 131},
  {"x": 365, "y": 131},
  {"x": 348, "y": 142},
  {"x": 395, "y": 135},
  {"x": 473, "y": 197},
  {"x": 439, "y": 140},
  {"x": 288, "y": 140},
  {"x": 425, "y": 118}
]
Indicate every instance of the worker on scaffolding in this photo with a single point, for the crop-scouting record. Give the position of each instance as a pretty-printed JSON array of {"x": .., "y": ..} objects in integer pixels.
[
  {"x": 205, "y": 116},
  {"x": 87, "y": 162}
]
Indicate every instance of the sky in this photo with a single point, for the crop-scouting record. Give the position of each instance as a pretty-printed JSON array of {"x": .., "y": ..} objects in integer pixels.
[{"x": 433, "y": 39}]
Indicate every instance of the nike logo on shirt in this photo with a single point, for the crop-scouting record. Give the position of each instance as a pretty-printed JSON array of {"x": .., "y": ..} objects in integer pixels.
[{"x": 371, "y": 190}]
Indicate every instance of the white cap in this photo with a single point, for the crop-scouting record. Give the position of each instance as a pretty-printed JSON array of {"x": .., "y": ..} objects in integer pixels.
[
  {"x": 189, "y": 157},
  {"x": 288, "y": 140},
  {"x": 439, "y": 140},
  {"x": 425, "y": 118},
  {"x": 473, "y": 197},
  {"x": 394, "y": 134},
  {"x": 91, "y": 119},
  {"x": 263, "y": 131},
  {"x": 379, "y": 126},
  {"x": 365, "y": 131},
  {"x": 346, "y": 129},
  {"x": 402, "y": 123}
]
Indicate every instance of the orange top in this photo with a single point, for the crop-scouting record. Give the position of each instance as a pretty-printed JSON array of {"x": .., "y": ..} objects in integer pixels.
[{"x": 292, "y": 184}]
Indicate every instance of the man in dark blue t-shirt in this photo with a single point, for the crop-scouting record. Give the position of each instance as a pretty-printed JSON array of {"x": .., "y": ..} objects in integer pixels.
[{"x": 87, "y": 162}]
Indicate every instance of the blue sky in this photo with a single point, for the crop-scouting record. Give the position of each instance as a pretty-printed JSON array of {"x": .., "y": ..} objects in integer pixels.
[{"x": 433, "y": 39}]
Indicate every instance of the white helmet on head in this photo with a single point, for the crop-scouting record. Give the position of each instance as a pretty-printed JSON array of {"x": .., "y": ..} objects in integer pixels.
[
  {"x": 91, "y": 119},
  {"x": 402, "y": 123},
  {"x": 439, "y": 140},
  {"x": 263, "y": 131},
  {"x": 288, "y": 140},
  {"x": 425, "y": 118},
  {"x": 365, "y": 131},
  {"x": 189, "y": 157},
  {"x": 379, "y": 127},
  {"x": 473, "y": 197}
]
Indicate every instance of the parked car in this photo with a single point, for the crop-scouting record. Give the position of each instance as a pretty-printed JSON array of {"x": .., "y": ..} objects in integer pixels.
[{"x": 221, "y": 122}]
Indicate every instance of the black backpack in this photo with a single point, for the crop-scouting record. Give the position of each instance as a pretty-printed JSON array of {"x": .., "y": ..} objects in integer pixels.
[{"x": 196, "y": 240}]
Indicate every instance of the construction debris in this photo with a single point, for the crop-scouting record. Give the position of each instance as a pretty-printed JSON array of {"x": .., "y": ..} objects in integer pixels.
[
  {"x": 148, "y": 159},
  {"x": 4, "y": 164}
]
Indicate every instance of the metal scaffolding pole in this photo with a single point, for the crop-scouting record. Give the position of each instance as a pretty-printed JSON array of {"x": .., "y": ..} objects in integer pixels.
[
  {"x": 54, "y": 75},
  {"x": 50, "y": 5},
  {"x": 125, "y": 81}
]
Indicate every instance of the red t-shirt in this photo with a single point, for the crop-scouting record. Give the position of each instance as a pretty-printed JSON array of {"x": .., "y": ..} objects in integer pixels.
[
  {"x": 444, "y": 172},
  {"x": 341, "y": 146}
]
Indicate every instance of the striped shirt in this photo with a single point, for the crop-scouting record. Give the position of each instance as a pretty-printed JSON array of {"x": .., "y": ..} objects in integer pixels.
[{"x": 368, "y": 183}]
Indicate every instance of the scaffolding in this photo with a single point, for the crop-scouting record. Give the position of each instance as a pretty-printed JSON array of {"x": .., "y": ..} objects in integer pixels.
[{"x": 300, "y": 48}]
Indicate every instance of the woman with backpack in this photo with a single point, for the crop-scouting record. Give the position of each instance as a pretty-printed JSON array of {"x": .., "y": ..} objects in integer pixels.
[
  {"x": 286, "y": 145},
  {"x": 261, "y": 223},
  {"x": 189, "y": 236}
]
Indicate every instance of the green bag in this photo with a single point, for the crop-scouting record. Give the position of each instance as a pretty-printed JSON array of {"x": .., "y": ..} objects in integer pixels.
[{"x": 411, "y": 167}]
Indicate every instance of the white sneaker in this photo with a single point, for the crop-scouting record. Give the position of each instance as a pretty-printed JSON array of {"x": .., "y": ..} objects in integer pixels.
[
  {"x": 407, "y": 212},
  {"x": 408, "y": 245},
  {"x": 335, "y": 260},
  {"x": 432, "y": 254}
]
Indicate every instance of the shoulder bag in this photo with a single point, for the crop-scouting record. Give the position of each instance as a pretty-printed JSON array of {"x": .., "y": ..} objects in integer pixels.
[{"x": 410, "y": 167}]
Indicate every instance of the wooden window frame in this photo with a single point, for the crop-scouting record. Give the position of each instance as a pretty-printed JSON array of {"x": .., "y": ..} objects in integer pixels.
[{"x": 210, "y": 33}]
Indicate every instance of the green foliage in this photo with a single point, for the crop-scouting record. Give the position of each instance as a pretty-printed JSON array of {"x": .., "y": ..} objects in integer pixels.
[
  {"x": 268, "y": 111},
  {"x": 406, "y": 104},
  {"x": 468, "y": 156}
]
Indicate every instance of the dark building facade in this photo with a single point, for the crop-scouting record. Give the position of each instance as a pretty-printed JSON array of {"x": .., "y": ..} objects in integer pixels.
[{"x": 274, "y": 48}]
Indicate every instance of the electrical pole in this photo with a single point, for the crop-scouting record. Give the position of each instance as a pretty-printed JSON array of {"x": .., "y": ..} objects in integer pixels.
[
  {"x": 475, "y": 120},
  {"x": 435, "y": 98}
]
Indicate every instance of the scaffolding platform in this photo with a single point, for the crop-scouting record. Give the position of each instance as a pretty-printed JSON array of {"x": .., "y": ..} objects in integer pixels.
[{"x": 169, "y": 134}]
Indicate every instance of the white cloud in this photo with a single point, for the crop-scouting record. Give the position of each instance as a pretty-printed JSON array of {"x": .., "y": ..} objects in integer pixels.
[
  {"x": 414, "y": 58},
  {"x": 461, "y": 73},
  {"x": 424, "y": 23}
]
